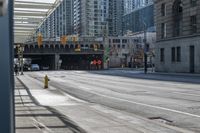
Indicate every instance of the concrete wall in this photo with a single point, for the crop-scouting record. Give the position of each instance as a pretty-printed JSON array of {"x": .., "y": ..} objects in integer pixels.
[{"x": 184, "y": 64}]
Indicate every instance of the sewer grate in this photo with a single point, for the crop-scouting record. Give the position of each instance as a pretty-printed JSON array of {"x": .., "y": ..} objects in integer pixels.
[{"x": 162, "y": 120}]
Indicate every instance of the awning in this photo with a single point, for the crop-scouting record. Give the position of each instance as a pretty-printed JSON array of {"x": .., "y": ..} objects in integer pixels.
[{"x": 29, "y": 15}]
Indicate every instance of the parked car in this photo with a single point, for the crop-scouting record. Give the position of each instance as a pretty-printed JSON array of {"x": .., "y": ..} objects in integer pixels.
[{"x": 35, "y": 67}]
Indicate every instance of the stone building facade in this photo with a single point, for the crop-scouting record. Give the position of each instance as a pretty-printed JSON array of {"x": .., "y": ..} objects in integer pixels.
[
  {"x": 129, "y": 50},
  {"x": 178, "y": 35}
]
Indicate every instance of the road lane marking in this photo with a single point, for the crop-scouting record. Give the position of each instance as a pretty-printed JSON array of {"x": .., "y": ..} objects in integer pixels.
[
  {"x": 143, "y": 104},
  {"x": 148, "y": 105},
  {"x": 173, "y": 86}
]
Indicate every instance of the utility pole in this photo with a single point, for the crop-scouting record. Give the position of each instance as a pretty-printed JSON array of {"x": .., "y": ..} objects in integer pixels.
[
  {"x": 145, "y": 48},
  {"x": 20, "y": 58},
  {"x": 105, "y": 35}
]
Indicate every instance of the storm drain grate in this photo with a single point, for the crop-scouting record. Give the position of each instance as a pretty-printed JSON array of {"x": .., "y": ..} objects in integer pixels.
[{"x": 162, "y": 120}]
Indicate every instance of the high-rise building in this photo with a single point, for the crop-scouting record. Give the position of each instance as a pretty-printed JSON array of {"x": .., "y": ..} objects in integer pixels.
[
  {"x": 89, "y": 16},
  {"x": 60, "y": 22},
  {"x": 131, "y": 5},
  {"x": 178, "y": 35},
  {"x": 142, "y": 3},
  {"x": 138, "y": 19},
  {"x": 116, "y": 12}
]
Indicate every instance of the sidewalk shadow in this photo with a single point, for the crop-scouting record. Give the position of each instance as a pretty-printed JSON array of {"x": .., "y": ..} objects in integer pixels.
[{"x": 31, "y": 116}]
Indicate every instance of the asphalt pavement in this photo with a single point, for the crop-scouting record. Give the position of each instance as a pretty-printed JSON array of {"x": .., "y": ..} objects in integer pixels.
[{"x": 121, "y": 101}]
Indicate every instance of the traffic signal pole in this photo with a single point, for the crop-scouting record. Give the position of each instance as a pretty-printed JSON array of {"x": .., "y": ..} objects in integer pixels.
[
  {"x": 145, "y": 48},
  {"x": 21, "y": 59}
]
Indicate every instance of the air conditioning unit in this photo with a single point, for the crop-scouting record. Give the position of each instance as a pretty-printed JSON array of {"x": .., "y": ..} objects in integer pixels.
[{"x": 3, "y": 7}]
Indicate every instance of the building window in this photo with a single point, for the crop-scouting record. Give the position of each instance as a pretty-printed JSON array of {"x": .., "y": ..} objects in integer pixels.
[
  {"x": 177, "y": 17},
  {"x": 193, "y": 3},
  {"x": 178, "y": 54},
  {"x": 163, "y": 30},
  {"x": 193, "y": 21},
  {"x": 147, "y": 48},
  {"x": 124, "y": 40},
  {"x": 163, "y": 9},
  {"x": 162, "y": 55},
  {"x": 173, "y": 54}
]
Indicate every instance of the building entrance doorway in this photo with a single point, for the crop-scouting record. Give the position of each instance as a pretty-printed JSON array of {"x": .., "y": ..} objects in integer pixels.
[{"x": 192, "y": 59}]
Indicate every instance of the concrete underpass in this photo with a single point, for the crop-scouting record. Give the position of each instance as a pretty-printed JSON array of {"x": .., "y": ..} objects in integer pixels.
[
  {"x": 66, "y": 61},
  {"x": 43, "y": 60},
  {"x": 80, "y": 61}
]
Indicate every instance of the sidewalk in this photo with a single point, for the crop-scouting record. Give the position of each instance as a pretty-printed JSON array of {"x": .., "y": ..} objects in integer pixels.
[
  {"x": 34, "y": 118},
  {"x": 151, "y": 71}
]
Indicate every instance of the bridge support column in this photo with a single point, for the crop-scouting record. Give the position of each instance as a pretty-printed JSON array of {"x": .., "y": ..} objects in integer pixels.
[{"x": 57, "y": 62}]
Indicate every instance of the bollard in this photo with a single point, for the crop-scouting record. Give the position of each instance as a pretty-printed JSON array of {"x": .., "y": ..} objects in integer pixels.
[{"x": 46, "y": 82}]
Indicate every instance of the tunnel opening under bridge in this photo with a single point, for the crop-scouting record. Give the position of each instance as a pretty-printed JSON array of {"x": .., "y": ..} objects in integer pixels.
[
  {"x": 45, "y": 62},
  {"x": 81, "y": 61}
]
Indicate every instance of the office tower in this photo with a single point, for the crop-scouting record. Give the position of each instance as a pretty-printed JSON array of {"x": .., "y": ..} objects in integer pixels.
[
  {"x": 116, "y": 11},
  {"x": 89, "y": 17}
]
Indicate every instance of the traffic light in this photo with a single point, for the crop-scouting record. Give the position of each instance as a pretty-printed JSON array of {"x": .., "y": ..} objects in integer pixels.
[
  {"x": 63, "y": 40},
  {"x": 95, "y": 47},
  {"x": 74, "y": 39},
  {"x": 78, "y": 49},
  {"x": 39, "y": 40},
  {"x": 18, "y": 49}
]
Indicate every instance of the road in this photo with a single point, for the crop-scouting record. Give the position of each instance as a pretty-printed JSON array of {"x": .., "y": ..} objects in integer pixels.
[{"x": 172, "y": 100}]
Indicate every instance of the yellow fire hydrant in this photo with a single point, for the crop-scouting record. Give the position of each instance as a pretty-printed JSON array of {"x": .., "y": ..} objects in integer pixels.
[{"x": 46, "y": 82}]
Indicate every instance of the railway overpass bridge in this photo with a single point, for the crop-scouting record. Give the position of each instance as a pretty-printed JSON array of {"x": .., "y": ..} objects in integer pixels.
[{"x": 70, "y": 56}]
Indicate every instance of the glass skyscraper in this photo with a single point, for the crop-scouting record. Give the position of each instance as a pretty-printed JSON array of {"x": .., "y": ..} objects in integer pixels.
[
  {"x": 135, "y": 20},
  {"x": 131, "y": 5}
]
